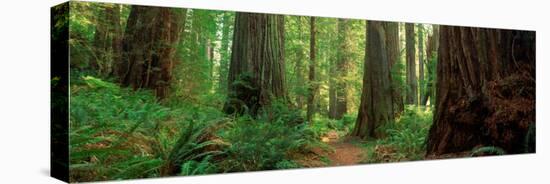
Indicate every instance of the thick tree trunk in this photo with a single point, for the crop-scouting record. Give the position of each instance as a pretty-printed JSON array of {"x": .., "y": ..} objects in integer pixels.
[
  {"x": 376, "y": 99},
  {"x": 393, "y": 52},
  {"x": 149, "y": 47},
  {"x": 412, "y": 85},
  {"x": 485, "y": 91},
  {"x": 422, "y": 86},
  {"x": 312, "y": 86},
  {"x": 256, "y": 74}
]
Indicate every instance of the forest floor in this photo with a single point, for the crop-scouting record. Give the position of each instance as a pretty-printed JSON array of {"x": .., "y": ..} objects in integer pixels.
[{"x": 342, "y": 151}]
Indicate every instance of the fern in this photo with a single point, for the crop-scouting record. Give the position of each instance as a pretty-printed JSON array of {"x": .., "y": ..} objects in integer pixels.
[
  {"x": 193, "y": 167},
  {"x": 487, "y": 150}
]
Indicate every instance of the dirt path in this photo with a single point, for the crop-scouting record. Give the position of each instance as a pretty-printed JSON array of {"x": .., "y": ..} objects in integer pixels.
[{"x": 344, "y": 153}]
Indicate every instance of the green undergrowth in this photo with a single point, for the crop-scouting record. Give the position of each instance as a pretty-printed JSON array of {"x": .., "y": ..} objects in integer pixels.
[
  {"x": 404, "y": 140},
  {"x": 323, "y": 125},
  {"x": 119, "y": 133}
]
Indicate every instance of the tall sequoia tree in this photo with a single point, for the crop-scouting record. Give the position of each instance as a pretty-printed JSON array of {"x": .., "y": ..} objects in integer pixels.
[
  {"x": 107, "y": 39},
  {"x": 431, "y": 54},
  {"x": 485, "y": 91},
  {"x": 412, "y": 85},
  {"x": 376, "y": 99},
  {"x": 421, "y": 80},
  {"x": 332, "y": 87},
  {"x": 342, "y": 66},
  {"x": 256, "y": 72},
  {"x": 227, "y": 21},
  {"x": 312, "y": 87},
  {"x": 393, "y": 54},
  {"x": 149, "y": 47},
  {"x": 300, "y": 56}
]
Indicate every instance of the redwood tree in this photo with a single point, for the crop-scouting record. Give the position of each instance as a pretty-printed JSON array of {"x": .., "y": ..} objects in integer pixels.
[
  {"x": 421, "y": 75},
  {"x": 393, "y": 54},
  {"x": 412, "y": 84},
  {"x": 227, "y": 21},
  {"x": 431, "y": 53},
  {"x": 376, "y": 99},
  {"x": 485, "y": 91},
  {"x": 342, "y": 66},
  {"x": 256, "y": 72},
  {"x": 149, "y": 47},
  {"x": 312, "y": 87},
  {"x": 107, "y": 39}
]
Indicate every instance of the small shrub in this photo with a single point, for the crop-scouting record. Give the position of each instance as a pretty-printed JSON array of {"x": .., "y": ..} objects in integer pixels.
[
  {"x": 287, "y": 164},
  {"x": 404, "y": 139},
  {"x": 321, "y": 126},
  {"x": 193, "y": 167},
  {"x": 190, "y": 146},
  {"x": 264, "y": 143},
  {"x": 102, "y": 103},
  {"x": 487, "y": 150}
]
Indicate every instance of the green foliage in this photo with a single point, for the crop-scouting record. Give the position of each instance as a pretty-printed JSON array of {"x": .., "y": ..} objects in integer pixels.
[
  {"x": 104, "y": 119},
  {"x": 487, "y": 150},
  {"x": 322, "y": 125},
  {"x": 104, "y": 103},
  {"x": 287, "y": 164},
  {"x": 117, "y": 133},
  {"x": 191, "y": 145},
  {"x": 264, "y": 142},
  {"x": 398, "y": 75},
  {"x": 195, "y": 74},
  {"x": 197, "y": 168},
  {"x": 404, "y": 139},
  {"x": 257, "y": 145},
  {"x": 121, "y": 133}
]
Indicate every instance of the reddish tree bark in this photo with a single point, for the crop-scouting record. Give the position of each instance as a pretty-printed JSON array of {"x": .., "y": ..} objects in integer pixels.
[
  {"x": 393, "y": 54},
  {"x": 431, "y": 52},
  {"x": 485, "y": 90},
  {"x": 412, "y": 83},
  {"x": 256, "y": 72},
  {"x": 312, "y": 87},
  {"x": 149, "y": 47},
  {"x": 376, "y": 98}
]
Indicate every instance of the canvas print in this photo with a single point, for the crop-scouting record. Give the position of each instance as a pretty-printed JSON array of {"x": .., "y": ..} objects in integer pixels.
[{"x": 144, "y": 91}]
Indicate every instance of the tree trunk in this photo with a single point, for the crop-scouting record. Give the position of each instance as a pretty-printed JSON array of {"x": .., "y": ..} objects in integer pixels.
[
  {"x": 485, "y": 91},
  {"x": 422, "y": 86},
  {"x": 256, "y": 74},
  {"x": 393, "y": 52},
  {"x": 107, "y": 39},
  {"x": 210, "y": 57},
  {"x": 412, "y": 85},
  {"x": 376, "y": 98},
  {"x": 312, "y": 83},
  {"x": 431, "y": 56},
  {"x": 332, "y": 89},
  {"x": 343, "y": 65},
  {"x": 298, "y": 67},
  {"x": 149, "y": 47},
  {"x": 332, "y": 82},
  {"x": 225, "y": 52}
]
